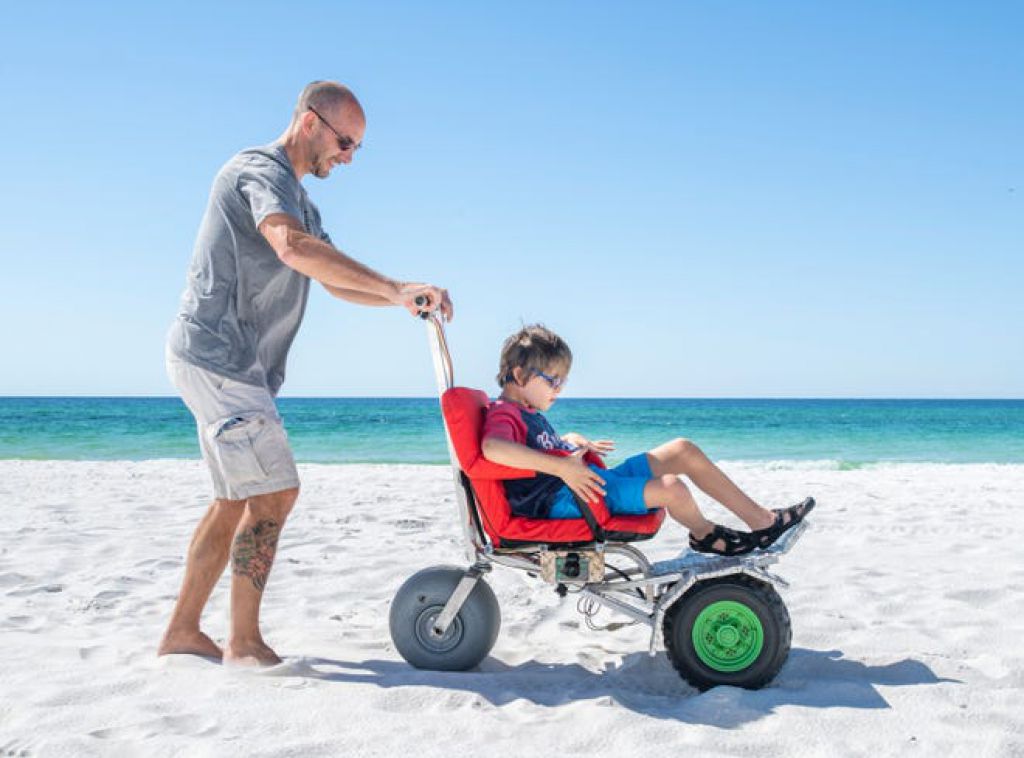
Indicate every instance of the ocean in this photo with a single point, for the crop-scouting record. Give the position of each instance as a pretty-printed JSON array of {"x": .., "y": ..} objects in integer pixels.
[{"x": 839, "y": 433}]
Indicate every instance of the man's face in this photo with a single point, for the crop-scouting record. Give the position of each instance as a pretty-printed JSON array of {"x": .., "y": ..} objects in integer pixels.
[{"x": 335, "y": 141}]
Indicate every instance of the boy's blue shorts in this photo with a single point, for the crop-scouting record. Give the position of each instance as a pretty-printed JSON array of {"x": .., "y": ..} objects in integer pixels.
[{"x": 623, "y": 485}]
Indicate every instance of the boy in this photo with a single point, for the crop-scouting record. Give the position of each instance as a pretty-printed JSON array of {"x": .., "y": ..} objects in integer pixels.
[{"x": 535, "y": 365}]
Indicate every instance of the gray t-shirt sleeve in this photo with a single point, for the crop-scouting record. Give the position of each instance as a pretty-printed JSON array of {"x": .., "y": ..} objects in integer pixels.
[
  {"x": 269, "y": 188},
  {"x": 319, "y": 225}
]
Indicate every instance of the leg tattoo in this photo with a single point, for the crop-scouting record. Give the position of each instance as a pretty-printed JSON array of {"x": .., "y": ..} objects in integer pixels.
[{"x": 252, "y": 553}]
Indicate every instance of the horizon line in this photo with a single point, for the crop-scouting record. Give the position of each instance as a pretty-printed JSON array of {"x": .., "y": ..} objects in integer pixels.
[{"x": 581, "y": 397}]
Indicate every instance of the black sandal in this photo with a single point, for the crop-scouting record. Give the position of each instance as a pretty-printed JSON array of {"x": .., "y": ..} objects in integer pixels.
[
  {"x": 734, "y": 543},
  {"x": 785, "y": 519}
]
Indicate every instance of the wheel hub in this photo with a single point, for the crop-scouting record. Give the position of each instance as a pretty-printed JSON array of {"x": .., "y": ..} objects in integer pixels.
[
  {"x": 727, "y": 636},
  {"x": 428, "y": 636}
]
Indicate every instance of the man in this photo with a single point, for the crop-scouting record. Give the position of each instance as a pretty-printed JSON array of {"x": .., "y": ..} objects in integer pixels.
[{"x": 259, "y": 245}]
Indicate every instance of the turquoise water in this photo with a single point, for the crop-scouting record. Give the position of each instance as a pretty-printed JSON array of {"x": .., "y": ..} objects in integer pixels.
[{"x": 408, "y": 430}]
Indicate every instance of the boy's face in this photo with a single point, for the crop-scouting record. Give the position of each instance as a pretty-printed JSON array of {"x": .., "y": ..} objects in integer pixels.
[{"x": 540, "y": 389}]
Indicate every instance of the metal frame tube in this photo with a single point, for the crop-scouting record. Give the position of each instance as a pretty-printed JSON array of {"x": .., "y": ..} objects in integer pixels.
[{"x": 458, "y": 598}]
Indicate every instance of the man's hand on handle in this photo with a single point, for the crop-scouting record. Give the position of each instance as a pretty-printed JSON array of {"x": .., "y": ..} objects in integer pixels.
[{"x": 426, "y": 298}]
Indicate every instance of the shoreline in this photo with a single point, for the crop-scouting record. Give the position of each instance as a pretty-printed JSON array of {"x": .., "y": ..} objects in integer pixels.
[
  {"x": 589, "y": 398},
  {"x": 794, "y": 464}
]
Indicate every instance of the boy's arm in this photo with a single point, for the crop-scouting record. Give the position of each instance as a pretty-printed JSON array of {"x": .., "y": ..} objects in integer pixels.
[
  {"x": 574, "y": 438},
  {"x": 601, "y": 447},
  {"x": 509, "y": 453},
  {"x": 571, "y": 469}
]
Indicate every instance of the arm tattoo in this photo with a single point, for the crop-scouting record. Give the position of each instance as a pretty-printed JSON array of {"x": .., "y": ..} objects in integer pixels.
[{"x": 252, "y": 553}]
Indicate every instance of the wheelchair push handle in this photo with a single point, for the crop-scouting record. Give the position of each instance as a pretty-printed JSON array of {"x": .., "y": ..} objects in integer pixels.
[{"x": 421, "y": 301}]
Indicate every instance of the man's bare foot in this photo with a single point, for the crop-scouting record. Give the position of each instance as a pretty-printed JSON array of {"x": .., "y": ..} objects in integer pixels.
[
  {"x": 250, "y": 654},
  {"x": 189, "y": 642}
]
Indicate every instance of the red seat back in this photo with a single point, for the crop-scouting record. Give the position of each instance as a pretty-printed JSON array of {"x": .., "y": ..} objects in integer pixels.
[{"x": 464, "y": 410}]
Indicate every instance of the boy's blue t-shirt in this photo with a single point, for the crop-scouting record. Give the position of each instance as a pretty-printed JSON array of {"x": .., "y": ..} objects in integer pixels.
[{"x": 531, "y": 497}]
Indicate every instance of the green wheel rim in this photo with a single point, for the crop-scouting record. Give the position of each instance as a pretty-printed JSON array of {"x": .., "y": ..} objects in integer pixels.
[{"x": 727, "y": 636}]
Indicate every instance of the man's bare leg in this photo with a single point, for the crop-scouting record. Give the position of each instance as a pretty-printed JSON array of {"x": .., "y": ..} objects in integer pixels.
[
  {"x": 680, "y": 456},
  {"x": 207, "y": 557},
  {"x": 252, "y": 556}
]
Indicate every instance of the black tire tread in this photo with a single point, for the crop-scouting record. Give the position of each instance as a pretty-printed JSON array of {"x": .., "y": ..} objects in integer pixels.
[{"x": 766, "y": 594}]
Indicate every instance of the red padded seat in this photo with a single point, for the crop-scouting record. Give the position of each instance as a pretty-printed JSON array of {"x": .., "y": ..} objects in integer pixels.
[{"x": 463, "y": 409}]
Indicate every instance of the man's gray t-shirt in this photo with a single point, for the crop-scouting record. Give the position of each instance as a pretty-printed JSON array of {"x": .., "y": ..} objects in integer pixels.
[{"x": 242, "y": 306}]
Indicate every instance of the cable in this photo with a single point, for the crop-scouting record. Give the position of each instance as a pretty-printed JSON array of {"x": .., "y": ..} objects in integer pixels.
[{"x": 589, "y": 607}]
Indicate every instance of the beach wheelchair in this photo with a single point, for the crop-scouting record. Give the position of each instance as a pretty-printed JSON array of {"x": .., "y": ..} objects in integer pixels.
[{"x": 720, "y": 619}]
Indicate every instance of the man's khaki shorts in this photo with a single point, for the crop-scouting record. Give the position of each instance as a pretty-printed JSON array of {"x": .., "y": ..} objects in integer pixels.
[{"x": 241, "y": 434}]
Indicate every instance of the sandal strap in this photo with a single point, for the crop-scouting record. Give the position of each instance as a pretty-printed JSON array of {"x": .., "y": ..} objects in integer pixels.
[
  {"x": 765, "y": 537},
  {"x": 733, "y": 542}
]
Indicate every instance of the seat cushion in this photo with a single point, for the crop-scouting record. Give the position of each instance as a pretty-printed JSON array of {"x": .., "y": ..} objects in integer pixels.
[{"x": 463, "y": 410}]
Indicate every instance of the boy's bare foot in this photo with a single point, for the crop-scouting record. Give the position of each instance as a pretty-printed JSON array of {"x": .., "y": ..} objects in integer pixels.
[
  {"x": 250, "y": 654},
  {"x": 188, "y": 642}
]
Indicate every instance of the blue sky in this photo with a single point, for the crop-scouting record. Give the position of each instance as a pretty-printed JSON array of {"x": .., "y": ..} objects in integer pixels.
[{"x": 787, "y": 199}]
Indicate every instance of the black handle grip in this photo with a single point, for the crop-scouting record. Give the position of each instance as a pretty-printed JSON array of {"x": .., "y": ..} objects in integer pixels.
[{"x": 422, "y": 300}]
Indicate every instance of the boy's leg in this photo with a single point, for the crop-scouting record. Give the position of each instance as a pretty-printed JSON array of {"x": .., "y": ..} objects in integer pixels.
[
  {"x": 252, "y": 556},
  {"x": 670, "y": 493},
  {"x": 207, "y": 556},
  {"x": 681, "y": 456}
]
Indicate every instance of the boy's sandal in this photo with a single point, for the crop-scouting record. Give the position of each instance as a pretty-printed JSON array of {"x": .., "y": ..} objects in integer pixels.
[
  {"x": 731, "y": 542},
  {"x": 785, "y": 519}
]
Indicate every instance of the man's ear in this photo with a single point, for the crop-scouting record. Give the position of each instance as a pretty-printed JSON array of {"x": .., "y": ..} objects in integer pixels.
[
  {"x": 517, "y": 376},
  {"x": 307, "y": 121}
]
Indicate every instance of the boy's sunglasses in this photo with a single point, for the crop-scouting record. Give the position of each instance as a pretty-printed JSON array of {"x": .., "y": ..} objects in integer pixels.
[
  {"x": 556, "y": 382},
  {"x": 345, "y": 143}
]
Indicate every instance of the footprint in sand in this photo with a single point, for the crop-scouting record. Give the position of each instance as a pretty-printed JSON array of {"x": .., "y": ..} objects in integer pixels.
[
  {"x": 98, "y": 653},
  {"x": 976, "y": 597},
  {"x": 64, "y": 696},
  {"x": 105, "y": 600},
  {"x": 16, "y": 748},
  {"x": 12, "y": 579},
  {"x": 185, "y": 725},
  {"x": 21, "y": 623},
  {"x": 42, "y": 588}
]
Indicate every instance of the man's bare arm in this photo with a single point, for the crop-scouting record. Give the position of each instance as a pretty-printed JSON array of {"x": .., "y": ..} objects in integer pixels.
[
  {"x": 355, "y": 296},
  {"x": 332, "y": 268},
  {"x": 322, "y": 261}
]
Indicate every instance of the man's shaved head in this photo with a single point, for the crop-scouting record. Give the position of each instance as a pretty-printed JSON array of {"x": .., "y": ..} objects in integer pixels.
[
  {"x": 326, "y": 97},
  {"x": 326, "y": 129}
]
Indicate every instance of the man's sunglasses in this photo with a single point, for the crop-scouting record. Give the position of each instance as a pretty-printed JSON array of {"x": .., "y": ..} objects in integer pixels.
[{"x": 345, "y": 143}]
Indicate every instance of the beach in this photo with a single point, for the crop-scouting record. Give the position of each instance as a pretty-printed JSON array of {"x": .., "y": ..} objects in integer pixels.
[{"x": 906, "y": 597}]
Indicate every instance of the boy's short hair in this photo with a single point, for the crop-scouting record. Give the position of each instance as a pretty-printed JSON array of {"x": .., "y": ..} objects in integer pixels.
[{"x": 534, "y": 347}]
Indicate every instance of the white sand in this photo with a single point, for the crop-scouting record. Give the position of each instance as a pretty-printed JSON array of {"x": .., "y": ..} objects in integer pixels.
[{"x": 907, "y": 602}]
